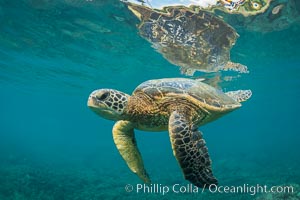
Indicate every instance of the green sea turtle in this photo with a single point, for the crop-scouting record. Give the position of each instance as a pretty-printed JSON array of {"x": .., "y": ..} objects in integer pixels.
[
  {"x": 178, "y": 105},
  {"x": 195, "y": 40}
]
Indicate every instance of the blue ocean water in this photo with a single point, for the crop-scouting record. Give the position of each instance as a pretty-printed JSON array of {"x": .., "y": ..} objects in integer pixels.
[{"x": 54, "y": 53}]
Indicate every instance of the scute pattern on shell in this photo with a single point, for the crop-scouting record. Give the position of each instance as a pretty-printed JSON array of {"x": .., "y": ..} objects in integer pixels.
[
  {"x": 204, "y": 93},
  {"x": 160, "y": 87}
]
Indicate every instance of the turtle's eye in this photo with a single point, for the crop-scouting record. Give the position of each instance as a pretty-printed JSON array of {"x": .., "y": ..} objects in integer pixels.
[{"x": 102, "y": 96}]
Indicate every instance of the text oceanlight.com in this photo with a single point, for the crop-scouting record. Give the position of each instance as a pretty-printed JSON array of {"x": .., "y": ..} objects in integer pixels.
[{"x": 189, "y": 188}]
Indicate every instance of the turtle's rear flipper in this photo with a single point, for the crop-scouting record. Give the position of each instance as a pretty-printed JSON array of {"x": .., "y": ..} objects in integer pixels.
[
  {"x": 190, "y": 151},
  {"x": 237, "y": 67},
  {"x": 240, "y": 95},
  {"x": 123, "y": 134}
]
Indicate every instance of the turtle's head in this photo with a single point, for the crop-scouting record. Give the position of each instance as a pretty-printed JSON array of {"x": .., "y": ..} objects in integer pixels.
[{"x": 108, "y": 103}]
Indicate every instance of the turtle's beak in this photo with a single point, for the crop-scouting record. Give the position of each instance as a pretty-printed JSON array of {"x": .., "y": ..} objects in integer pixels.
[
  {"x": 93, "y": 102},
  {"x": 92, "y": 99},
  {"x": 99, "y": 107}
]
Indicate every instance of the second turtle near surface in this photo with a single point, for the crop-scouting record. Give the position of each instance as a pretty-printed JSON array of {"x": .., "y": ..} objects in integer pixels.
[
  {"x": 178, "y": 105},
  {"x": 191, "y": 38}
]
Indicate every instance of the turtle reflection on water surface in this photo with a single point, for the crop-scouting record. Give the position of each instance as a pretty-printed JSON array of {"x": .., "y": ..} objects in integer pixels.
[{"x": 195, "y": 40}]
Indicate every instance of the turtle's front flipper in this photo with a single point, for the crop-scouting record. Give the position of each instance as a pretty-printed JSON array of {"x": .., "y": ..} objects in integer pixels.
[
  {"x": 190, "y": 151},
  {"x": 123, "y": 134},
  {"x": 240, "y": 95},
  {"x": 237, "y": 67}
]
